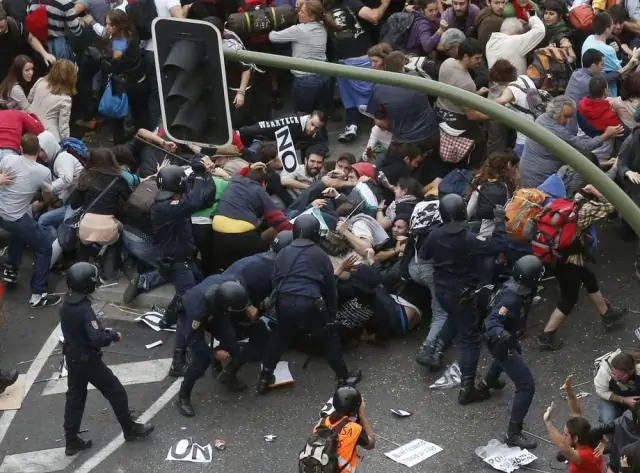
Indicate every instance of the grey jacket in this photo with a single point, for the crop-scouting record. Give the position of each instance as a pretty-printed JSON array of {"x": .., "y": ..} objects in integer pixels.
[{"x": 537, "y": 162}]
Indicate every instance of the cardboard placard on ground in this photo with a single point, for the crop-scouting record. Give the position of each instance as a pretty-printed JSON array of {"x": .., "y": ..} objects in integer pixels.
[
  {"x": 504, "y": 458},
  {"x": 12, "y": 398},
  {"x": 413, "y": 452},
  {"x": 282, "y": 375}
]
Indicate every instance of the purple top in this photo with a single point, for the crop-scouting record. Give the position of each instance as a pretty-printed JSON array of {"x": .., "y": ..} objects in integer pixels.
[
  {"x": 468, "y": 25},
  {"x": 422, "y": 38}
]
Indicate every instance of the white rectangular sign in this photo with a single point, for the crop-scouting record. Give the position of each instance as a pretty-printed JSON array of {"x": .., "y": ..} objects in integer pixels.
[
  {"x": 510, "y": 461},
  {"x": 286, "y": 149},
  {"x": 414, "y": 452}
]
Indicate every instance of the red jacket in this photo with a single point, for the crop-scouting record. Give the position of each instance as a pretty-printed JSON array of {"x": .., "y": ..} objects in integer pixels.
[
  {"x": 598, "y": 113},
  {"x": 14, "y": 124}
]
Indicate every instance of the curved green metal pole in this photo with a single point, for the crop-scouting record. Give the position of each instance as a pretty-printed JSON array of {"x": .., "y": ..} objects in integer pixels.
[{"x": 560, "y": 148}]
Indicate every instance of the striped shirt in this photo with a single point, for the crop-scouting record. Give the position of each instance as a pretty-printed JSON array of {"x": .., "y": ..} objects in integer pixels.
[{"x": 61, "y": 16}]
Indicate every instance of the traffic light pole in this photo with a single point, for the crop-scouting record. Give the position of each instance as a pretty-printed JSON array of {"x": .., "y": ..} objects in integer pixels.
[{"x": 569, "y": 155}]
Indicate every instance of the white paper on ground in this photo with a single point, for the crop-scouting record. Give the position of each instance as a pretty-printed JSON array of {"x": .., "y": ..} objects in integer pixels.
[
  {"x": 450, "y": 379},
  {"x": 152, "y": 320},
  {"x": 504, "y": 458},
  {"x": 413, "y": 452},
  {"x": 400, "y": 412},
  {"x": 282, "y": 374},
  {"x": 154, "y": 344},
  {"x": 185, "y": 450}
]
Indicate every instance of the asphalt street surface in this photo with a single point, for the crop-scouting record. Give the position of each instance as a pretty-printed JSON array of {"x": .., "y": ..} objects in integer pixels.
[{"x": 391, "y": 380}]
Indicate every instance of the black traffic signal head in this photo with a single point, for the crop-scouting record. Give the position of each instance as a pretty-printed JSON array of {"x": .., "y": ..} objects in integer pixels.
[{"x": 192, "y": 81}]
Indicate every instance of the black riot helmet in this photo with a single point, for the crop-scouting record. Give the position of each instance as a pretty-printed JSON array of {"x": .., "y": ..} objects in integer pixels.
[
  {"x": 307, "y": 226},
  {"x": 452, "y": 208},
  {"x": 528, "y": 271},
  {"x": 282, "y": 240},
  {"x": 230, "y": 296},
  {"x": 347, "y": 400},
  {"x": 82, "y": 279},
  {"x": 171, "y": 180}
]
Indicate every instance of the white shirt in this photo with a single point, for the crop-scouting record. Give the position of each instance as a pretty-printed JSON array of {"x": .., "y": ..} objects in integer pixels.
[
  {"x": 520, "y": 99},
  {"x": 163, "y": 7},
  {"x": 514, "y": 48}
]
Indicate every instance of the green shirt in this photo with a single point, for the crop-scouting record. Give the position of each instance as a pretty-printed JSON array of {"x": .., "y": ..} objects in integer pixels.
[{"x": 221, "y": 185}]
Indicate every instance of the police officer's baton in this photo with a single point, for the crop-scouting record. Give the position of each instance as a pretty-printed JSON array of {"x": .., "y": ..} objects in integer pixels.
[{"x": 159, "y": 148}]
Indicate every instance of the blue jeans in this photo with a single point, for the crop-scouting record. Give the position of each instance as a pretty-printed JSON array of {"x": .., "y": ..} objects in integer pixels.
[
  {"x": 422, "y": 273},
  {"x": 518, "y": 149},
  {"x": 147, "y": 254},
  {"x": 607, "y": 410},
  {"x": 51, "y": 220},
  {"x": 311, "y": 92},
  {"x": 61, "y": 48},
  {"x": 25, "y": 231}
]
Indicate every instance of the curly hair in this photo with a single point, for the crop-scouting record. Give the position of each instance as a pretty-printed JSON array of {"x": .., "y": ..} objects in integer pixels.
[
  {"x": 497, "y": 167},
  {"x": 503, "y": 72}
]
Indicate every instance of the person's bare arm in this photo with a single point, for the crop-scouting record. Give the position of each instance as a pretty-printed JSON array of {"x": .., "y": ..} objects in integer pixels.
[
  {"x": 558, "y": 439},
  {"x": 374, "y": 15},
  {"x": 363, "y": 417},
  {"x": 574, "y": 405}
]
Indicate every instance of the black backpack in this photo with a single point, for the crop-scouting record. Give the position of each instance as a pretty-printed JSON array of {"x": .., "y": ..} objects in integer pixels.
[
  {"x": 395, "y": 31},
  {"x": 320, "y": 454},
  {"x": 497, "y": 193},
  {"x": 142, "y": 13}
]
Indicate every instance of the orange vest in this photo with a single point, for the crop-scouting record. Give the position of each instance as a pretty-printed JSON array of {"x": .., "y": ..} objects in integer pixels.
[{"x": 347, "y": 443}]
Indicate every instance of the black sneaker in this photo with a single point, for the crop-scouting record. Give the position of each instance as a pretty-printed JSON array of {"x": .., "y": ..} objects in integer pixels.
[
  {"x": 611, "y": 317},
  {"x": 44, "y": 300},
  {"x": 9, "y": 276},
  {"x": 548, "y": 342}
]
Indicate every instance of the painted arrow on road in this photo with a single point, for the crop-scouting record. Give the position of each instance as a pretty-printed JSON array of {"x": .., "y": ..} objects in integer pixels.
[{"x": 141, "y": 372}]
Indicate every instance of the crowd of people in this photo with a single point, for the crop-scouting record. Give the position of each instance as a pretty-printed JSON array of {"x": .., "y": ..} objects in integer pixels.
[{"x": 446, "y": 219}]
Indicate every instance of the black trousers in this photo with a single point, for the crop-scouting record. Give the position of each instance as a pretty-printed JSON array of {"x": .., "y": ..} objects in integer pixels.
[{"x": 94, "y": 371}]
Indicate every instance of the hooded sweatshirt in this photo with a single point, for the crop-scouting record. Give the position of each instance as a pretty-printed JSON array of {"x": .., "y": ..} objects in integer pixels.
[
  {"x": 487, "y": 23},
  {"x": 598, "y": 113},
  {"x": 514, "y": 48},
  {"x": 65, "y": 168}
]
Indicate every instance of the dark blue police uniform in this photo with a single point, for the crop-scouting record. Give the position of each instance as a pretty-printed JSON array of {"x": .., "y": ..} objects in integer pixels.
[
  {"x": 306, "y": 299},
  {"x": 456, "y": 252},
  {"x": 84, "y": 337},
  {"x": 507, "y": 315},
  {"x": 195, "y": 319},
  {"x": 173, "y": 234}
]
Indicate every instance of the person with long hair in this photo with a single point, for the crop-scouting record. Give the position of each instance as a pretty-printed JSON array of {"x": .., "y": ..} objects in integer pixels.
[
  {"x": 50, "y": 98},
  {"x": 15, "y": 88},
  {"x": 309, "y": 41},
  {"x": 126, "y": 70}
]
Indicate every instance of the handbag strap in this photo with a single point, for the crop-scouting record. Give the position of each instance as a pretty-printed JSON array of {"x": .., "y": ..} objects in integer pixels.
[{"x": 100, "y": 195}]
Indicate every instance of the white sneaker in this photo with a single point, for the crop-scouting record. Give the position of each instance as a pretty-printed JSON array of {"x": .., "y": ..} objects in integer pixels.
[{"x": 349, "y": 134}]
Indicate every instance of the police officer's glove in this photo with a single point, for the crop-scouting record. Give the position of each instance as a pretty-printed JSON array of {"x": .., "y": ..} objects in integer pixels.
[
  {"x": 198, "y": 167},
  {"x": 115, "y": 336},
  {"x": 499, "y": 213},
  {"x": 501, "y": 345}
]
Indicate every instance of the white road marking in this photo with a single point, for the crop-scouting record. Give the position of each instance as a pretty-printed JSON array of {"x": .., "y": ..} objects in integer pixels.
[
  {"x": 117, "y": 442},
  {"x": 43, "y": 461},
  {"x": 140, "y": 372},
  {"x": 32, "y": 374}
]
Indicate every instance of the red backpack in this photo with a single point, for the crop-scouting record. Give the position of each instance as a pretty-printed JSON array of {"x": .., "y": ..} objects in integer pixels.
[
  {"x": 37, "y": 23},
  {"x": 556, "y": 230}
]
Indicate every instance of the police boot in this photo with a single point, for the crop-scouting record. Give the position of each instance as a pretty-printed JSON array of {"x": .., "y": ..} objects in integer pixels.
[
  {"x": 469, "y": 393},
  {"x": 7, "y": 378},
  {"x": 184, "y": 400},
  {"x": 229, "y": 378},
  {"x": 354, "y": 378},
  {"x": 515, "y": 437},
  {"x": 75, "y": 444},
  {"x": 265, "y": 380},
  {"x": 434, "y": 355},
  {"x": 135, "y": 430},
  {"x": 179, "y": 363}
]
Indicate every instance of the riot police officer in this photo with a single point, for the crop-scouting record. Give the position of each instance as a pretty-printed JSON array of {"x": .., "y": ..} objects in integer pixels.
[
  {"x": 223, "y": 299},
  {"x": 171, "y": 218},
  {"x": 306, "y": 300},
  {"x": 84, "y": 337},
  {"x": 454, "y": 250},
  {"x": 504, "y": 322}
]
